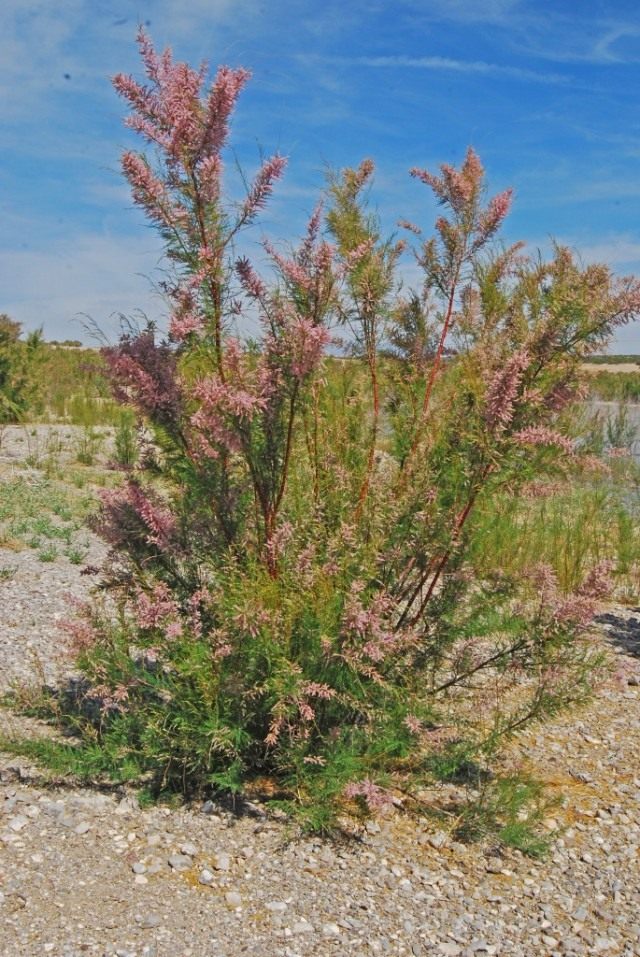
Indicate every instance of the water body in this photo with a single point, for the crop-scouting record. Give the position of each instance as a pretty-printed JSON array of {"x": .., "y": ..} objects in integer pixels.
[{"x": 623, "y": 416}]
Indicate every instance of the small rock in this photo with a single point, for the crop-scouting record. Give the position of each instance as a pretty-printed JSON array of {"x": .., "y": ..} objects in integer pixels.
[
  {"x": 139, "y": 868},
  {"x": 206, "y": 877},
  {"x": 302, "y": 927},
  {"x": 82, "y": 827},
  {"x": 602, "y": 944},
  {"x": 221, "y": 861},
  {"x": 128, "y": 805},
  {"x": 18, "y": 822},
  {"x": 276, "y": 907},
  {"x": 233, "y": 899},
  {"x": 189, "y": 849},
  {"x": 149, "y": 921},
  {"x": 449, "y": 949},
  {"x": 330, "y": 930},
  {"x": 438, "y": 840},
  {"x": 550, "y": 941},
  {"x": 180, "y": 862}
]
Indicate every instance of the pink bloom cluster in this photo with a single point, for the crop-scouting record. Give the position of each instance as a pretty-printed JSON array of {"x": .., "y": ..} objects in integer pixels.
[
  {"x": 228, "y": 404},
  {"x": 131, "y": 501},
  {"x": 190, "y": 127},
  {"x": 543, "y": 435},
  {"x": 306, "y": 344},
  {"x": 376, "y": 798},
  {"x": 455, "y": 187},
  {"x": 186, "y": 316},
  {"x": 370, "y": 625},
  {"x": 294, "y": 713},
  {"x": 599, "y": 581},
  {"x": 156, "y": 609},
  {"x": 413, "y": 724},
  {"x": 309, "y": 270},
  {"x": 578, "y": 608},
  {"x": 262, "y": 187},
  {"x": 541, "y": 489},
  {"x": 279, "y": 541},
  {"x": 503, "y": 392},
  {"x": 81, "y": 629},
  {"x": 109, "y": 699},
  {"x": 461, "y": 191},
  {"x": 144, "y": 374},
  {"x": 171, "y": 113},
  {"x": 251, "y": 282}
]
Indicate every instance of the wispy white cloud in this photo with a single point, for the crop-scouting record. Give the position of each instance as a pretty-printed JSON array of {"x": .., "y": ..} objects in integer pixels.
[
  {"x": 605, "y": 187},
  {"x": 478, "y": 67},
  {"x": 615, "y": 251},
  {"x": 563, "y": 34},
  {"x": 89, "y": 274},
  {"x": 568, "y": 38},
  {"x": 469, "y": 11},
  {"x": 52, "y": 47}
]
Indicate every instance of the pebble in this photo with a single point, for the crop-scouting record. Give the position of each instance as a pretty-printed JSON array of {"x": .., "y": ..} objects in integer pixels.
[
  {"x": 233, "y": 899},
  {"x": 190, "y": 850},
  {"x": 180, "y": 862},
  {"x": 221, "y": 861},
  {"x": 439, "y": 839},
  {"x": 603, "y": 944},
  {"x": 149, "y": 921}
]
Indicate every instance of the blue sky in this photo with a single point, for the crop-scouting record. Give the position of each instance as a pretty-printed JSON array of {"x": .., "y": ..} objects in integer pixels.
[{"x": 547, "y": 93}]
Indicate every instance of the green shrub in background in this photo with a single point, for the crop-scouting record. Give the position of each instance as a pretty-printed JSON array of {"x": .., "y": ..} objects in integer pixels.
[{"x": 19, "y": 364}]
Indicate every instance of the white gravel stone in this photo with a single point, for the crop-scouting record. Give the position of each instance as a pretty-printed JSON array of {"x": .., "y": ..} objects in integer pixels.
[
  {"x": 180, "y": 862},
  {"x": 221, "y": 861}
]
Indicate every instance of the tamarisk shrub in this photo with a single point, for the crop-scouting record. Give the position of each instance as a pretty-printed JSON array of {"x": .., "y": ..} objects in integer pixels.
[{"x": 288, "y": 555}]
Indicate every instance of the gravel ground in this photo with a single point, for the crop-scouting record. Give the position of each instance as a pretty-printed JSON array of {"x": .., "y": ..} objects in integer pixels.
[{"x": 84, "y": 872}]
